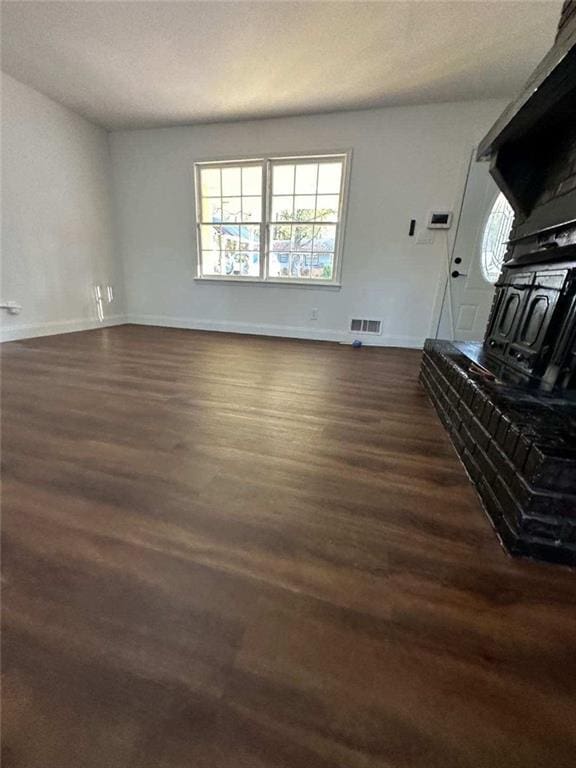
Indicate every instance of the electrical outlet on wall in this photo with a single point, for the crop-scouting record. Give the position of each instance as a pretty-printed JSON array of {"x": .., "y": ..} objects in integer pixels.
[{"x": 314, "y": 313}]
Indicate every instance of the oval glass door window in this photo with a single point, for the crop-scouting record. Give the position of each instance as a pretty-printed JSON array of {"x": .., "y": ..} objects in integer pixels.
[{"x": 496, "y": 233}]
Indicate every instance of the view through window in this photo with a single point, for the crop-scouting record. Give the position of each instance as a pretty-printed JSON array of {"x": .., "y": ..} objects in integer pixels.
[{"x": 277, "y": 219}]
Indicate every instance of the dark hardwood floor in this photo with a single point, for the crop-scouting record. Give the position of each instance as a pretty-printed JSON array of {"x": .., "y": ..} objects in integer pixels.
[{"x": 237, "y": 552}]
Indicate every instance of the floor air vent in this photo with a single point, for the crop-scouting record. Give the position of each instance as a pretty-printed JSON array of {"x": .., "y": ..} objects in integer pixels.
[{"x": 360, "y": 325}]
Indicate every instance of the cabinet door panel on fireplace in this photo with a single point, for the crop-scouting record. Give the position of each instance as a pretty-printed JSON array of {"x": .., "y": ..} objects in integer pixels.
[
  {"x": 522, "y": 330},
  {"x": 512, "y": 295},
  {"x": 535, "y": 332}
]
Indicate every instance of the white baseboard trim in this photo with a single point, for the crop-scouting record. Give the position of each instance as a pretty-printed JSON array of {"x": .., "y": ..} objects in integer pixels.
[
  {"x": 32, "y": 330},
  {"x": 284, "y": 331}
]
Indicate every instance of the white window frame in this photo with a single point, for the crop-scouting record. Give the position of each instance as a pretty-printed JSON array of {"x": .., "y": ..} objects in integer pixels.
[{"x": 266, "y": 224}]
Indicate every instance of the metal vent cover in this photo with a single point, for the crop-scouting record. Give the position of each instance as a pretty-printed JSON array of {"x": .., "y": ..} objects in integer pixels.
[{"x": 364, "y": 325}]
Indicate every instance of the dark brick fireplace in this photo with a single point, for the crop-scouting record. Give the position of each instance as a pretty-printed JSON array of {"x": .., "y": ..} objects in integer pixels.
[{"x": 509, "y": 403}]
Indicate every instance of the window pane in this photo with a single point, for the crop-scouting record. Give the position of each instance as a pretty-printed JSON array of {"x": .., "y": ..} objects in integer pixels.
[
  {"x": 231, "y": 185},
  {"x": 230, "y": 237},
  {"x": 253, "y": 261},
  {"x": 241, "y": 264},
  {"x": 211, "y": 263},
  {"x": 496, "y": 233},
  {"x": 210, "y": 182},
  {"x": 281, "y": 239},
  {"x": 279, "y": 265},
  {"x": 310, "y": 267},
  {"x": 327, "y": 207},
  {"x": 282, "y": 208},
  {"x": 302, "y": 266},
  {"x": 231, "y": 264},
  {"x": 306, "y": 177},
  {"x": 323, "y": 268},
  {"x": 283, "y": 180},
  {"x": 249, "y": 238},
  {"x": 252, "y": 180},
  {"x": 211, "y": 209},
  {"x": 211, "y": 237},
  {"x": 231, "y": 209},
  {"x": 329, "y": 178},
  {"x": 303, "y": 237},
  {"x": 299, "y": 268},
  {"x": 251, "y": 209},
  {"x": 325, "y": 238},
  {"x": 305, "y": 208}
]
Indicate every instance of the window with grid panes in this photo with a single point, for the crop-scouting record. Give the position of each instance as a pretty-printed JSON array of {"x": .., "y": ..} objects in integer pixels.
[{"x": 274, "y": 219}]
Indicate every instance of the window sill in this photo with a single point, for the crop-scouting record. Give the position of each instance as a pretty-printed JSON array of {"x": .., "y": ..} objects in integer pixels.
[{"x": 256, "y": 281}]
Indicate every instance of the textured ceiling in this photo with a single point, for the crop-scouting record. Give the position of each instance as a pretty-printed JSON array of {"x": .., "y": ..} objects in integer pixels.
[{"x": 139, "y": 63}]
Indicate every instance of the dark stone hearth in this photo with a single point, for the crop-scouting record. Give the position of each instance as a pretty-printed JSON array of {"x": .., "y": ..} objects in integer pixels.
[{"x": 518, "y": 447}]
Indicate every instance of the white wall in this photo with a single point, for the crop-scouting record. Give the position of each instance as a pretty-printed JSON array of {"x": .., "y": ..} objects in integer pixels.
[
  {"x": 57, "y": 228},
  {"x": 405, "y": 161}
]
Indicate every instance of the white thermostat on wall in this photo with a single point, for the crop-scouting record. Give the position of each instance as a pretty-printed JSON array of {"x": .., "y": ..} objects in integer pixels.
[{"x": 439, "y": 220}]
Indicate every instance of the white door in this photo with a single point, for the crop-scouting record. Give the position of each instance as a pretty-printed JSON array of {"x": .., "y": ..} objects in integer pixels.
[{"x": 479, "y": 247}]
